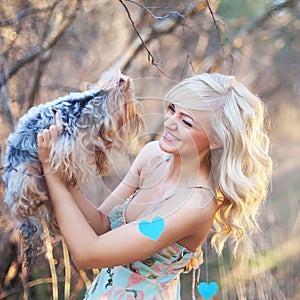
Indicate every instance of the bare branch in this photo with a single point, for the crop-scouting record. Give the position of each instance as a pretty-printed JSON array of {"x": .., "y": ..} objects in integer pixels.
[
  {"x": 5, "y": 105},
  {"x": 150, "y": 56},
  {"x": 212, "y": 13},
  {"x": 147, "y": 8},
  {"x": 188, "y": 59},
  {"x": 249, "y": 28},
  {"x": 27, "y": 12},
  {"x": 41, "y": 63},
  {"x": 4, "y": 92},
  {"x": 245, "y": 31},
  {"x": 163, "y": 27},
  {"x": 51, "y": 40}
]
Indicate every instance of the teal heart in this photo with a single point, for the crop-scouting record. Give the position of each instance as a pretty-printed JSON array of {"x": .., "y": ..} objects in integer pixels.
[
  {"x": 207, "y": 290},
  {"x": 152, "y": 229}
]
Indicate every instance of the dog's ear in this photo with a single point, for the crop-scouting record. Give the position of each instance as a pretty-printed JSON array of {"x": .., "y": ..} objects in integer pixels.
[{"x": 88, "y": 86}]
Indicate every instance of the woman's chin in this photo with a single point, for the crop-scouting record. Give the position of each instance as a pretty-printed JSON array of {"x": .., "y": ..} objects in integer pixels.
[{"x": 167, "y": 146}]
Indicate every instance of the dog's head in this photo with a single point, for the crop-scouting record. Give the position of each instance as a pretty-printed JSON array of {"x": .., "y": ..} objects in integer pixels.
[
  {"x": 122, "y": 120},
  {"x": 111, "y": 118}
]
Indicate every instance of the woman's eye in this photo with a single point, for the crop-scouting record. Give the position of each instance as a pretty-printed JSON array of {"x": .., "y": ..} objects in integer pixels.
[
  {"x": 171, "y": 108},
  {"x": 187, "y": 123}
]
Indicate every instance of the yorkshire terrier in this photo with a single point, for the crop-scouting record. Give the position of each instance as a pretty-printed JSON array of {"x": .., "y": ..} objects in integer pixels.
[{"x": 103, "y": 117}]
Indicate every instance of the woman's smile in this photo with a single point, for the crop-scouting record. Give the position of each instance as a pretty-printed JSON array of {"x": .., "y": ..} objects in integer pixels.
[{"x": 169, "y": 137}]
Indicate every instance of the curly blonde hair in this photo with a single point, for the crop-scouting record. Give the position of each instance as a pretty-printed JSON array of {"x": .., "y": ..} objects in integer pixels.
[{"x": 241, "y": 166}]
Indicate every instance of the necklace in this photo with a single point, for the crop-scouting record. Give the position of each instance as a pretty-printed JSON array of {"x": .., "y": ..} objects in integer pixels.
[
  {"x": 160, "y": 202},
  {"x": 163, "y": 200},
  {"x": 183, "y": 189}
]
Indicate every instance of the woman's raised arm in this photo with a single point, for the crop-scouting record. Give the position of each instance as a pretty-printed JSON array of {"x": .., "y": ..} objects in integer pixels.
[
  {"x": 90, "y": 250},
  {"x": 96, "y": 218}
]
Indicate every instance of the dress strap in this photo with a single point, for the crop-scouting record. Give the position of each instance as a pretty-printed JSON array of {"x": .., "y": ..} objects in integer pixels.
[
  {"x": 180, "y": 191},
  {"x": 193, "y": 284},
  {"x": 191, "y": 187},
  {"x": 208, "y": 189},
  {"x": 128, "y": 200},
  {"x": 155, "y": 168},
  {"x": 195, "y": 281},
  {"x": 126, "y": 203}
]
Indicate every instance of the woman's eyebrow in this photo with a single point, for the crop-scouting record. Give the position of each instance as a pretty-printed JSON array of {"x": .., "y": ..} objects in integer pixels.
[
  {"x": 184, "y": 114},
  {"x": 187, "y": 115}
]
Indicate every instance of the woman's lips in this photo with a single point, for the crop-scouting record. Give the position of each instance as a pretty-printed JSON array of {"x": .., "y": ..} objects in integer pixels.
[{"x": 168, "y": 136}]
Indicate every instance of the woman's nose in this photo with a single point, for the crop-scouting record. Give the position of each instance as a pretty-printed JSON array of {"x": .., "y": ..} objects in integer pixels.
[{"x": 170, "y": 121}]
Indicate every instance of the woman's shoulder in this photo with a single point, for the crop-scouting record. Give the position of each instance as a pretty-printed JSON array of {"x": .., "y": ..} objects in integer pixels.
[
  {"x": 153, "y": 146},
  {"x": 150, "y": 153},
  {"x": 149, "y": 157},
  {"x": 200, "y": 205},
  {"x": 152, "y": 150},
  {"x": 200, "y": 208}
]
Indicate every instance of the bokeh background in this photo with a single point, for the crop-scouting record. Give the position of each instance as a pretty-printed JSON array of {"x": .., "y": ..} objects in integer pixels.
[{"x": 50, "y": 48}]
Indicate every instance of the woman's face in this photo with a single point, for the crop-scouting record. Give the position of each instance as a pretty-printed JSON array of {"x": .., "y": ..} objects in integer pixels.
[{"x": 186, "y": 131}]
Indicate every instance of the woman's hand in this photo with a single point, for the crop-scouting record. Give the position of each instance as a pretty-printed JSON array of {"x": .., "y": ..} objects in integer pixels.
[{"x": 47, "y": 138}]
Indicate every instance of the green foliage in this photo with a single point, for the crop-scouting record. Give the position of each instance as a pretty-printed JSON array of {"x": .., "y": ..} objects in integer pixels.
[{"x": 242, "y": 9}]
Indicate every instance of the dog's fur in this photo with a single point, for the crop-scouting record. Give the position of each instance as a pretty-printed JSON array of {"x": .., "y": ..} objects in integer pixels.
[{"x": 94, "y": 121}]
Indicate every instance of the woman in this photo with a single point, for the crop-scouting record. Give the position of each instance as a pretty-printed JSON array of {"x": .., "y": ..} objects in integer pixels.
[{"x": 210, "y": 166}]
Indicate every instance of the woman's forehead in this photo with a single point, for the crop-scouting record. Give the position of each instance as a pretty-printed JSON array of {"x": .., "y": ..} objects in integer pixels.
[
  {"x": 201, "y": 117},
  {"x": 192, "y": 112}
]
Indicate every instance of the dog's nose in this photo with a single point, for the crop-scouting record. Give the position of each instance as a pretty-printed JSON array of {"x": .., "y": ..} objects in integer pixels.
[{"x": 124, "y": 80}]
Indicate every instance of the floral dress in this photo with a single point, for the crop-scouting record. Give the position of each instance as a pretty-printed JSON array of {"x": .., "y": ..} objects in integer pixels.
[{"x": 155, "y": 278}]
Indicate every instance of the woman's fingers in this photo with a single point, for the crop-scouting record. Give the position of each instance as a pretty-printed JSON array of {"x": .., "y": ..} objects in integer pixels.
[
  {"x": 45, "y": 137},
  {"x": 40, "y": 139},
  {"x": 58, "y": 123},
  {"x": 48, "y": 137},
  {"x": 53, "y": 133},
  {"x": 44, "y": 145}
]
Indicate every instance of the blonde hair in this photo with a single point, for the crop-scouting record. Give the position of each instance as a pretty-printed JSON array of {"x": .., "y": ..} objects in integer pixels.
[{"x": 241, "y": 167}]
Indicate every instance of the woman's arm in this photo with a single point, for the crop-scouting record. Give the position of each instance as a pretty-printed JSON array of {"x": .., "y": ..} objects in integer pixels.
[
  {"x": 96, "y": 219},
  {"x": 127, "y": 187},
  {"x": 122, "y": 245},
  {"x": 138, "y": 170}
]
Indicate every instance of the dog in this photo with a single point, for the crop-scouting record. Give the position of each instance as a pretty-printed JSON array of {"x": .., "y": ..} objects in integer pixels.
[{"x": 103, "y": 117}]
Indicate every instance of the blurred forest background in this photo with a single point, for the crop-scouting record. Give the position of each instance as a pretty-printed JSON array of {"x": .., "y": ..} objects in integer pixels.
[{"x": 49, "y": 48}]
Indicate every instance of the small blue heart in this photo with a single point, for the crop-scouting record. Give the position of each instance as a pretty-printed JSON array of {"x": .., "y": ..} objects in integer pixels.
[
  {"x": 207, "y": 290},
  {"x": 152, "y": 229}
]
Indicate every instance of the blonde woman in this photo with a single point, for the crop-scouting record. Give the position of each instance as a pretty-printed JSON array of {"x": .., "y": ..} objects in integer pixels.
[{"x": 210, "y": 169}]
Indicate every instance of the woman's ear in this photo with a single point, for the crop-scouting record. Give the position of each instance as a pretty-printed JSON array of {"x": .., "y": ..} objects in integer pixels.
[{"x": 214, "y": 145}]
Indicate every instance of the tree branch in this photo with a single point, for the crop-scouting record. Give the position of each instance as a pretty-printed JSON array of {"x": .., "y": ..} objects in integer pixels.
[
  {"x": 51, "y": 40},
  {"x": 4, "y": 92},
  {"x": 246, "y": 30},
  {"x": 249, "y": 28},
  {"x": 150, "y": 56},
  {"x": 149, "y": 11},
  {"x": 41, "y": 63},
  {"x": 165, "y": 25},
  {"x": 27, "y": 12}
]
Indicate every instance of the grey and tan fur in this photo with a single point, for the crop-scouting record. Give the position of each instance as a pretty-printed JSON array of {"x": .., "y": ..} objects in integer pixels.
[{"x": 94, "y": 121}]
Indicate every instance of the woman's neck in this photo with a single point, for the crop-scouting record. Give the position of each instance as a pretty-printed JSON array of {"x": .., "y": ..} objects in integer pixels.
[{"x": 186, "y": 172}]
